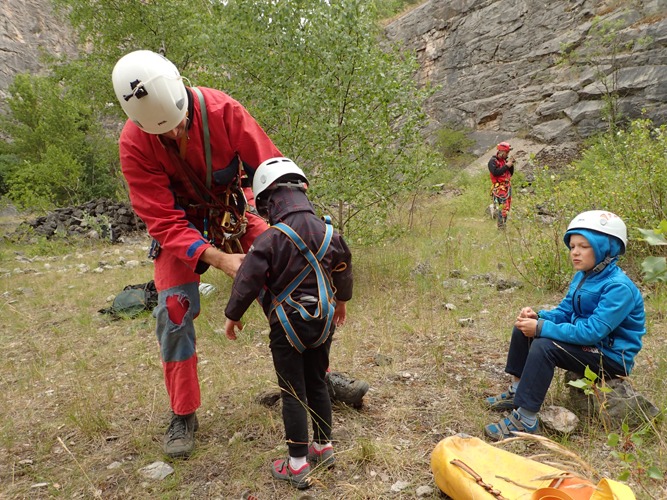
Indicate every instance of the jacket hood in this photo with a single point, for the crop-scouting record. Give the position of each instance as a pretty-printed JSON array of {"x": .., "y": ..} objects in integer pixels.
[
  {"x": 603, "y": 245},
  {"x": 284, "y": 201}
]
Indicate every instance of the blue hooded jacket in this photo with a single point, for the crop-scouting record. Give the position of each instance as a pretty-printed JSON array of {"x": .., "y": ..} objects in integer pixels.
[{"x": 602, "y": 308}]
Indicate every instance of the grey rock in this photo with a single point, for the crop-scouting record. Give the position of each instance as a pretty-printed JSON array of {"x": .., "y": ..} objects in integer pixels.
[
  {"x": 157, "y": 471},
  {"x": 622, "y": 404},
  {"x": 399, "y": 486},
  {"x": 558, "y": 419},
  {"x": 27, "y": 28},
  {"x": 424, "y": 491},
  {"x": 109, "y": 220},
  {"x": 497, "y": 64},
  {"x": 382, "y": 360}
]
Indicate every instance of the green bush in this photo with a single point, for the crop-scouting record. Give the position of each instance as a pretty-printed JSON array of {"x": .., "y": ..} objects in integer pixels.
[
  {"x": 621, "y": 172},
  {"x": 57, "y": 154}
]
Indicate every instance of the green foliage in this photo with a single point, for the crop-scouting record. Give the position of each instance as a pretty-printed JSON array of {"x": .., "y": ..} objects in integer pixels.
[
  {"x": 629, "y": 448},
  {"x": 344, "y": 108},
  {"x": 588, "y": 383},
  {"x": 389, "y": 8},
  {"x": 178, "y": 29},
  {"x": 655, "y": 268},
  {"x": 455, "y": 145},
  {"x": 620, "y": 171},
  {"x": 51, "y": 181},
  {"x": 57, "y": 154},
  {"x": 540, "y": 257},
  {"x": 312, "y": 72}
]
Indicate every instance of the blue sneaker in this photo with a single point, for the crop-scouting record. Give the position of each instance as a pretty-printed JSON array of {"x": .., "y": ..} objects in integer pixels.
[
  {"x": 501, "y": 402},
  {"x": 508, "y": 426}
]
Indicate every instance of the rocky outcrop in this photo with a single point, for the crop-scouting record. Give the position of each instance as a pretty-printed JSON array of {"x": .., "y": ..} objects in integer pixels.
[
  {"x": 29, "y": 29},
  {"x": 96, "y": 219},
  {"x": 497, "y": 64}
]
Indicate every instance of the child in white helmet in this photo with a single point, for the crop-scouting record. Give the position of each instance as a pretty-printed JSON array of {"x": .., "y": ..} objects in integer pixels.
[
  {"x": 301, "y": 270},
  {"x": 598, "y": 324}
]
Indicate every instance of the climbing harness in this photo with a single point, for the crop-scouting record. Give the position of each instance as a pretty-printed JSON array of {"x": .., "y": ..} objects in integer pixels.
[
  {"x": 224, "y": 216},
  {"x": 501, "y": 193},
  {"x": 325, "y": 301}
]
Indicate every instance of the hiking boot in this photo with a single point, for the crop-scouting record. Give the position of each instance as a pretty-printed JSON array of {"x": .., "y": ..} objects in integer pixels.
[
  {"x": 346, "y": 390},
  {"x": 179, "y": 440},
  {"x": 324, "y": 457},
  {"x": 281, "y": 469}
]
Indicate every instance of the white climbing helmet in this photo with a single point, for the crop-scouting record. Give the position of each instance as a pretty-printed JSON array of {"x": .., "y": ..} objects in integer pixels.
[
  {"x": 273, "y": 170},
  {"x": 602, "y": 222},
  {"x": 150, "y": 91}
]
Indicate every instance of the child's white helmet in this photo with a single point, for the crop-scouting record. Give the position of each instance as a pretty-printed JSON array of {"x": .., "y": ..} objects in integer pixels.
[
  {"x": 150, "y": 90},
  {"x": 273, "y": 170},
  {"x": 602, "y": 222}
]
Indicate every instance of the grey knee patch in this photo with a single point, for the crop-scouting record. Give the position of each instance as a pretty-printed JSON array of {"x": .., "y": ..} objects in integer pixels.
[{"x": 177, "y": 339}]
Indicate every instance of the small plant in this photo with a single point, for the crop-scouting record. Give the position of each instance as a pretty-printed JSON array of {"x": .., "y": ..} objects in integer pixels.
[
  {"x": 629, "y": 449},
  {"x": 98, "y": 223},
  {"x": 367, "y": 450},
  {"x": 588, "y": 385},
  {"x": 455, "y": 145},
  {"x": 655, "y": 268},
  {"x": 591, "y": 388}
]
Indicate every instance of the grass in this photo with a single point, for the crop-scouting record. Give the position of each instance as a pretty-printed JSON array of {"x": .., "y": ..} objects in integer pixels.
[{"x": 84, "y": 407}]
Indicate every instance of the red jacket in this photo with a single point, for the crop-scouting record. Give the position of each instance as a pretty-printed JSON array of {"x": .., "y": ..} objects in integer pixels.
[
  {"x": 499, "y": 170},
  {"x": 150, "y": 165}
]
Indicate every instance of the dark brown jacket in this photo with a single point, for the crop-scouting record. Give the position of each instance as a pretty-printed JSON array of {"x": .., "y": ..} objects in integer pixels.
[{"x": 273, "y": 261}]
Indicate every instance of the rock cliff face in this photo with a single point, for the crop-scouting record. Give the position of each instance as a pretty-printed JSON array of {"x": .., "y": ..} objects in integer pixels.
[
  {"x": 28, "y": 28},
  {"x": 496, "y": 64}
]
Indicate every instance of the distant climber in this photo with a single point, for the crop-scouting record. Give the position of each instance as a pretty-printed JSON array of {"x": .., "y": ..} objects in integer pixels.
[{"x": 501, "y": 169}]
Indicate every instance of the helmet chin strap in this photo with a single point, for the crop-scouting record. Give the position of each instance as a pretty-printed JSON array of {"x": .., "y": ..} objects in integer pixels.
[{"x": 600, "y": 267}]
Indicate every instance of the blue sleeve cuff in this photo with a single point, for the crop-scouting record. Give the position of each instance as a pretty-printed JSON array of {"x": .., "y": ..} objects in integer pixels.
[{"x": 192, "y": 249}]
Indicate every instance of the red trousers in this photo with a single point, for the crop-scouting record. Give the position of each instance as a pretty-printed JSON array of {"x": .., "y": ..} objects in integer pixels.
[{"x": 178, "y": 306}]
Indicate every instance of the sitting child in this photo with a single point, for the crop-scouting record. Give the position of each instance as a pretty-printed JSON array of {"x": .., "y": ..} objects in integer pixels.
[
  {"x": 598, "y": 324},
  {"x": 301, "y": 270}
]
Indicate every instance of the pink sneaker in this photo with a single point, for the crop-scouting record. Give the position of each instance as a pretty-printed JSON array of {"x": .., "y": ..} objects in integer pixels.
[
  {"x": 280, "y": 469},
  {"x": 324, "y": 457}
]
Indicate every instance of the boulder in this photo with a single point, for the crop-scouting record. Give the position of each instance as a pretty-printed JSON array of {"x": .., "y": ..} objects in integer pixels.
[{"x": 622, "y": 404}]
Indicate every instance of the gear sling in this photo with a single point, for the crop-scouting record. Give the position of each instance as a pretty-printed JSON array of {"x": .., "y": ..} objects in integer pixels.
[
  {"x": 325, "y": 300},
  {"x": 233, "y": 221}
]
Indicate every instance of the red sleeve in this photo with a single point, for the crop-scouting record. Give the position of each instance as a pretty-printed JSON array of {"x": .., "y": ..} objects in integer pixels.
[{"x": 152, "y": 198}]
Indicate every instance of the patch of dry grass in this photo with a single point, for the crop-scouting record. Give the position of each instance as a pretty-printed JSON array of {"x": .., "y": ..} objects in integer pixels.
[{"x": 84, "y": 407}]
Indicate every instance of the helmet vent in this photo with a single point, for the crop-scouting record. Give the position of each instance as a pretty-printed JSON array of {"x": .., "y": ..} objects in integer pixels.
[{"x": 180, "y": 103}]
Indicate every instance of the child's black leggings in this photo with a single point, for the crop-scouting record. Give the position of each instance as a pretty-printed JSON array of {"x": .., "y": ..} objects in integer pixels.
[{"x": 301, "y": 378}]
